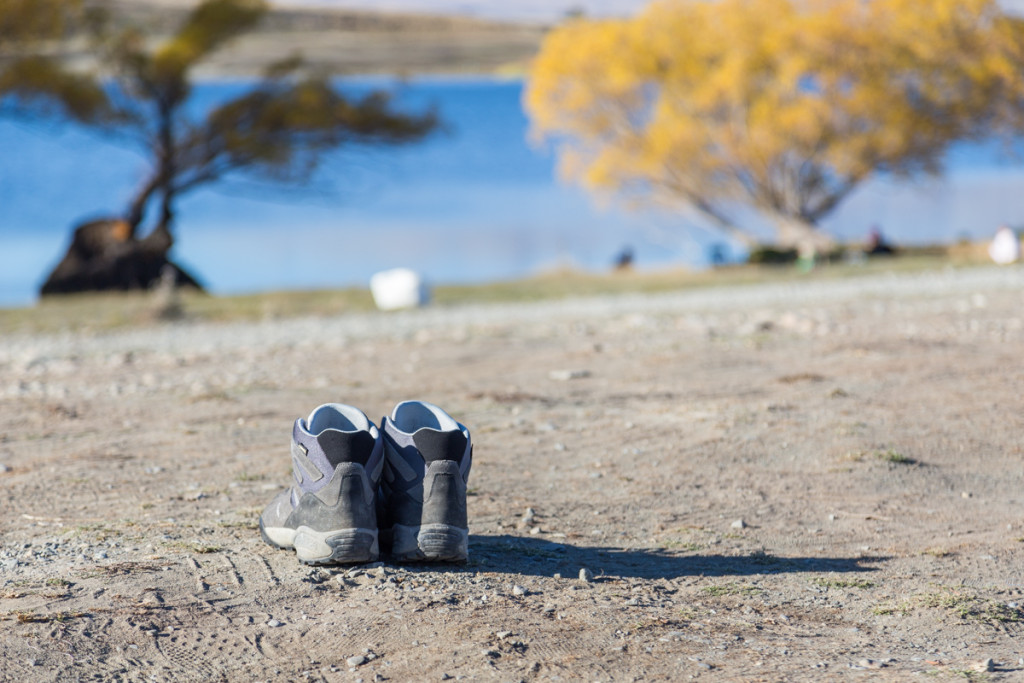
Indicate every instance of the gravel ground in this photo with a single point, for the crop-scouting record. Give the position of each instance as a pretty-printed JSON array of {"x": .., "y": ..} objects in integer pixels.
[{"x": 804, "y": 482}]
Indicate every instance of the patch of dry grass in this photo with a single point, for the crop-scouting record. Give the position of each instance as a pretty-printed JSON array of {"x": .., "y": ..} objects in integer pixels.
[{"x": 98, "y": 312}]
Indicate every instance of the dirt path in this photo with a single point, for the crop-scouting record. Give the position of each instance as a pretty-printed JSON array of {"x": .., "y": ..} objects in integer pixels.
[{"x": 867, "y": 433}]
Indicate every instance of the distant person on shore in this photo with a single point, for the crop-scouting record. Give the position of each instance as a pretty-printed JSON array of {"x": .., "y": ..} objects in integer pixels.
[
  {"x": 1005, "y": 246},
  {"x": 876, "y": 243},
  {"x": 716, "y": 254},
  {"x": 624, "y": 259}
]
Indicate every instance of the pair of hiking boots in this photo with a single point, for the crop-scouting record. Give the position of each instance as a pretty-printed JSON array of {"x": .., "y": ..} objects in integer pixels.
[{"x": 359, "y": 489}]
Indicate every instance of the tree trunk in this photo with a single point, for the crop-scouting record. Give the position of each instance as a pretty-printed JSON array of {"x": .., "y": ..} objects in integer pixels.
[
  {"x": 805, "y": 237},
  {"x": 105, "y": 256},
  {"x": 110, "y": 255}
]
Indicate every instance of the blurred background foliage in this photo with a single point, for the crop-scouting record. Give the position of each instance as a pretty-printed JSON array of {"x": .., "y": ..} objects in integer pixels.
[
  {"x": 745, "y": 113},
  {"x": 139, "y": 93},
  {"x": 783, "y": 106}
]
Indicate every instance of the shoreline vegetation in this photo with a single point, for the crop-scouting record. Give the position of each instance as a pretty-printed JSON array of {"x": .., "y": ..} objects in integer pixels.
[
  {"x": 107, "y": 311},
  {"x": 346, "y": 42}
]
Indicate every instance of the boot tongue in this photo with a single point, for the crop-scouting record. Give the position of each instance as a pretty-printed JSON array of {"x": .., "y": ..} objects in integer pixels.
[
  {"x": 436, "y": 445},
  {"x": 339, "y": 446}
]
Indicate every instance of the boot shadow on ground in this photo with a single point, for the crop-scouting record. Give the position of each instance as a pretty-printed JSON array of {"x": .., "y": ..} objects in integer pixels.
[{"x": 540, "y": 557}]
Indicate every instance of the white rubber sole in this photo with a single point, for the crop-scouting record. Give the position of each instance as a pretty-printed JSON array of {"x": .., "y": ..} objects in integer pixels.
[
  {"x": 430, "y": 543},
  {"x": 338, "y": 546}
]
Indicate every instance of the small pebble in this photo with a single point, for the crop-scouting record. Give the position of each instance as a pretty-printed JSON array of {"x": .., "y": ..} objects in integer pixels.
[
  {"x": 872, "y": 663},
  {"x": 586, "y": 576},
  {"x": 739, "y": 524},
  {"x": 557, "y": 575},
  {"x": 357, "y": 660},
  {"x": 274, "y": 623},
  {"x": 5, "y": 468},
  {"x": 985, "y": 665},
  {"x": 518, "y": 590}
]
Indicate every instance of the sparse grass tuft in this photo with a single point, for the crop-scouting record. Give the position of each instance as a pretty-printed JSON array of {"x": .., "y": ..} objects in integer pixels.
[
  {"x": 687, "y": 546},
  {"x": 120, "y": 568},
  {"x": 691, "y": 613},
  {"x": 963, "y": 605},
  {"x": 734, "y": 588},
  {"x": 1001, "y": 613},
  {"x": 250, "y": 524},
  {"x": 902, "y": 608},
  {"x": 98, "y": 532},
  {"x": 840, "y": 583},
  {"x": 889, "y": 455},
  {"x": 894, "y": 456},
  {"x": 651, "y": 624},
  {"x": 30, "y": 617}
]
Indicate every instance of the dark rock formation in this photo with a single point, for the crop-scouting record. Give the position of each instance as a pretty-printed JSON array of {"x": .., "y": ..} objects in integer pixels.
[{"x": 105, "y": 256}]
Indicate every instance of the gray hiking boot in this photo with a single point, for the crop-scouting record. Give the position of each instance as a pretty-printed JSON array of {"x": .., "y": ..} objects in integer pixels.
[
  {"x": 427, "y": 459},
  {"x": 329, "y": 515}
]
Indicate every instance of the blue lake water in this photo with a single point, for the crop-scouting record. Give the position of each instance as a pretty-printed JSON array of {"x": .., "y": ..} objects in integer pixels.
[{"x": 475, "y": 202}]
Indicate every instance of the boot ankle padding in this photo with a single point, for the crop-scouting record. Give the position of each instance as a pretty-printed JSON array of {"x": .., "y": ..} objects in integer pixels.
[{"x": 434, "y": 445}]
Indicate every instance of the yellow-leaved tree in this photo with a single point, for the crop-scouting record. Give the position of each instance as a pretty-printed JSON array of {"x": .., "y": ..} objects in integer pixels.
[{"x": 785, "y": 106}]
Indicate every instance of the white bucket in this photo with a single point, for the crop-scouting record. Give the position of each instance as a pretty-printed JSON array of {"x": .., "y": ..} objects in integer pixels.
[{"x": 399, "y": 288}]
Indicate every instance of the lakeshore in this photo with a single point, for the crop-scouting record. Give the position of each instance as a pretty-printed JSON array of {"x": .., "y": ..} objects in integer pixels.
[{"x": 475, "y": 203}]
